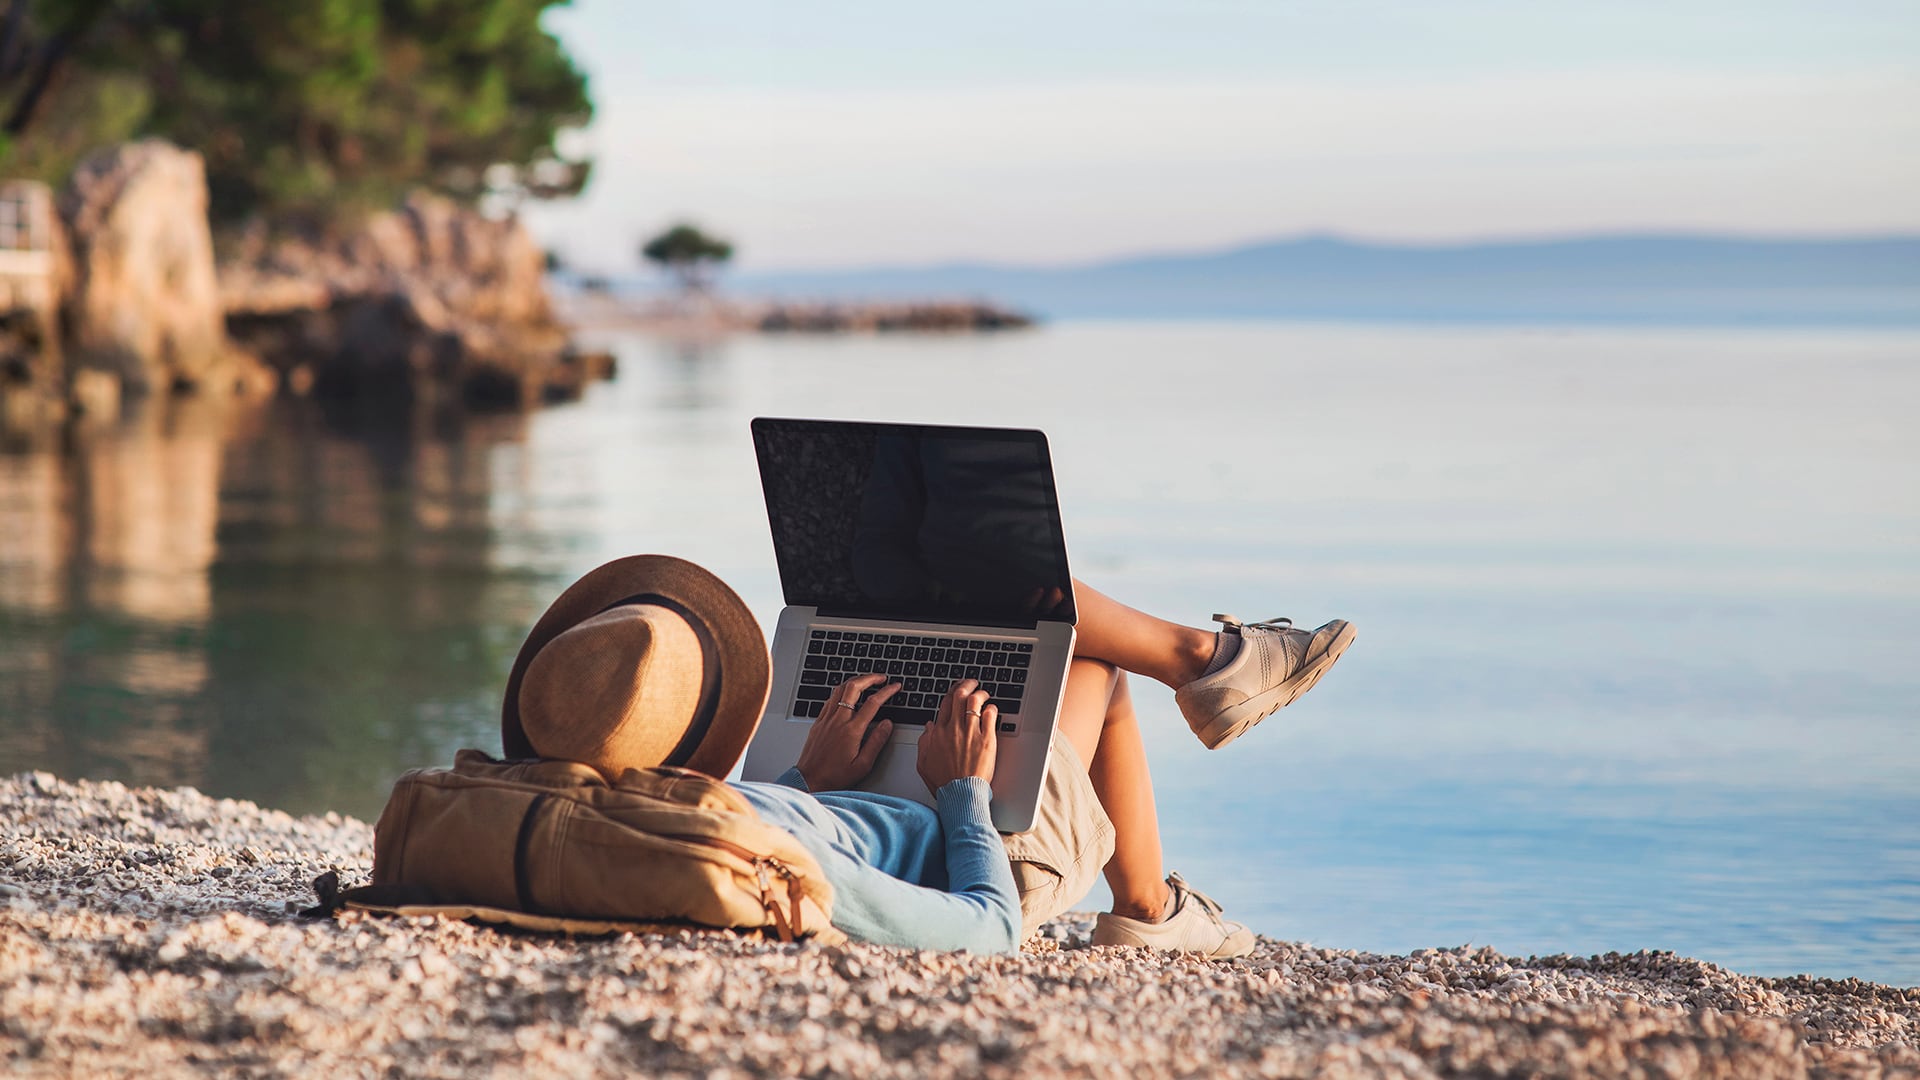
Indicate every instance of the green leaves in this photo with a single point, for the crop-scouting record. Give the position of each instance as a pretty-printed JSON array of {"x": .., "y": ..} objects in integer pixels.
[
  {"x": 321, "y": 108},
  {"x": 686, "y": 252}
]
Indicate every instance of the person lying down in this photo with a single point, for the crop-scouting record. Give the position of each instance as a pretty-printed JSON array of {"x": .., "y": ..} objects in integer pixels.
[{"x": 652, "y": 660}]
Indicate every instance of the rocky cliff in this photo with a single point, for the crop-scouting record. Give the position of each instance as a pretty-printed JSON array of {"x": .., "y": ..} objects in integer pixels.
[
  {"x": 432, "y": 301},
  {"x": 143, "y": 303}
]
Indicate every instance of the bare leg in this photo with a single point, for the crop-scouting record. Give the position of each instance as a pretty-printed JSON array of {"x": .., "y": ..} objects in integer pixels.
[
  {"x": 1138, "y": 642},
  {"x": 1097, "y": 716}
]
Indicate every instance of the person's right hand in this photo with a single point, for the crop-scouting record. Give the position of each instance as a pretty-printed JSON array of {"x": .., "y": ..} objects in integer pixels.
[
  {"x": 844, "y": 743},
  {"x": 961, "y": 740}
]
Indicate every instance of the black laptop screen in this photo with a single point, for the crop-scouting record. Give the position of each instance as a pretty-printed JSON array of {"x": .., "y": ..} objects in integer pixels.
[{"x": 933, "y": 524}]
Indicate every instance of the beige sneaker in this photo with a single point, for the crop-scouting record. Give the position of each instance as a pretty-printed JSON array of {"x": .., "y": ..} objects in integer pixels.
[
  {"x": 1276, "y": 663},
  {"x": 1192, "y": 924}
]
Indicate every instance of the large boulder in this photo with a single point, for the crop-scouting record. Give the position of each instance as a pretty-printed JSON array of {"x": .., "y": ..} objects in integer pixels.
[
  {"x": 144, "y": 303},
  {"x": 432, "y": 301},
  {"x": 34, "y": 274}
]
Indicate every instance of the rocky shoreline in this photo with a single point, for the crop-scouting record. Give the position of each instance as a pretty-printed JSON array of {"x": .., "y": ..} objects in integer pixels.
[
  {"x": 124, "y": 292},
  {"x": 131, "y": 295},
  {"x": 710, "y": 317},
  {"x": 153, "y": 932}
]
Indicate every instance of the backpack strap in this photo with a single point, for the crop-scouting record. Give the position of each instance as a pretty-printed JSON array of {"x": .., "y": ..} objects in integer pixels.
[
  {"x": 333, "y": 897},
  {"x": 522, "y": 890},
  {"x": 412, "y": 902},
  {"x": 788, "y": 924}
]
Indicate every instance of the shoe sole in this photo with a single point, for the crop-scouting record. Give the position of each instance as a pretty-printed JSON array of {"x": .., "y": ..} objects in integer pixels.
[
  {"x": 1231, "y": 947},
  {"x": 1234, "y": 722}
]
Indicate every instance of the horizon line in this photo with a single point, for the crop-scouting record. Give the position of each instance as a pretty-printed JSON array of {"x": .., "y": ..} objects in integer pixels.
[{"x": 1329, "y": 236}]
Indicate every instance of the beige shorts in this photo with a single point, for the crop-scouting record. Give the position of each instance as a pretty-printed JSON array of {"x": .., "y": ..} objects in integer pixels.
[{"x": 1056, "y": 862}]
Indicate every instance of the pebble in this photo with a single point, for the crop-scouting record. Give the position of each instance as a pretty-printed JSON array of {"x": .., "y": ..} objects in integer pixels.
[{"x": 149, "y": 932}]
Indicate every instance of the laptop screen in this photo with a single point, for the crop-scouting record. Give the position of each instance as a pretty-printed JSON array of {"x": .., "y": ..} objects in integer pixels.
[{"x": 909, "y": 521}]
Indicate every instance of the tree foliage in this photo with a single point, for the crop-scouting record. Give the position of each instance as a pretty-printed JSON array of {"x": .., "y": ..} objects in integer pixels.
[
  {"x": 686, "y": 253},
  {"x": 309, "y": 108}
]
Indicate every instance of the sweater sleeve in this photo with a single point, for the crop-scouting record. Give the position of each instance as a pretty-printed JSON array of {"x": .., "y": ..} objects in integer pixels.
[
  {"x": 978, "y": 911},
  {"x": 977, "y": 868},
  {"x": 792, "y": 778},
  {"x": 972, "y": 905}
]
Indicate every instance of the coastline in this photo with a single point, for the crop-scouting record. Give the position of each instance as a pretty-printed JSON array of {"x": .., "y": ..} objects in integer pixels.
[
  {"x": 712, "y": 316},
  {"x": 153, "y": 931}
]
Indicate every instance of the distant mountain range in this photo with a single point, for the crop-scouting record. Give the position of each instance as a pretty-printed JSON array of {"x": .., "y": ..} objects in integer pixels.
[{"x": 1674, "y": 279}]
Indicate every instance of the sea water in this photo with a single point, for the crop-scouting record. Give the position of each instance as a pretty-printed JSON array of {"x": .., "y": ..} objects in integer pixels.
[{"x": 1638, "y": 609}]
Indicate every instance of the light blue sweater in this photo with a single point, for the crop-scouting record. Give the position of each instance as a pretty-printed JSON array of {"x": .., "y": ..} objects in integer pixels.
[{"x": 903, "y": 873}]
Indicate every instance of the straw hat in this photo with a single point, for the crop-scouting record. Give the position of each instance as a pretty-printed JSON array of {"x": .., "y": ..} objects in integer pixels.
[{"x": 649, "y": 660}]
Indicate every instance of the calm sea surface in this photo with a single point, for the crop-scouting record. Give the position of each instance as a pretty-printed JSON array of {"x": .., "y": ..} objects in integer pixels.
[{"x": 1639, "y": 611}]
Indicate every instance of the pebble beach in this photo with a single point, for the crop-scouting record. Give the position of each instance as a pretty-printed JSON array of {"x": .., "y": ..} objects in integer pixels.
[{"x": 155, "y": 932}]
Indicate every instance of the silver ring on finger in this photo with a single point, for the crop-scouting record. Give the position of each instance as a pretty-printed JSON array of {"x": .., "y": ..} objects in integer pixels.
[{"x": 842, "y": 705}]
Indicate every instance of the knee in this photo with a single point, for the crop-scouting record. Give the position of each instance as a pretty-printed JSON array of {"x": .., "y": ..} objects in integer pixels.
[
  {"x": 1091, "y": 670},
  {"x": 1109, "y": 680}
]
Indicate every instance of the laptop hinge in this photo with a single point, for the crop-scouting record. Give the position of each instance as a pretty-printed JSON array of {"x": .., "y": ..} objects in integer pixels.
[{"x": 833, "y": 613}]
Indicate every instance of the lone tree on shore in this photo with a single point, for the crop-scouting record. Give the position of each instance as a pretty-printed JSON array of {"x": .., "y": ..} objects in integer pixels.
[{"x": 687, "y": 253}]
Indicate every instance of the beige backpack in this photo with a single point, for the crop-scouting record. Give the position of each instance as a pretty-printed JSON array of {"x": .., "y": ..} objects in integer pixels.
[{"x": 551, "y": 845}]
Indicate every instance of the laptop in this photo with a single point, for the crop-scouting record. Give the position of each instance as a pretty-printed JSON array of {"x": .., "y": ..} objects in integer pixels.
[{"x": 927, "y": 554}]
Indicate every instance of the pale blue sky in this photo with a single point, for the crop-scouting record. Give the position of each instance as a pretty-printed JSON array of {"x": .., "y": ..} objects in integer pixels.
[{"x": 855, "y": 132}]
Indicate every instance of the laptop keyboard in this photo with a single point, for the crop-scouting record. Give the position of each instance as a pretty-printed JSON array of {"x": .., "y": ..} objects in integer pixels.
[{"x": 926, "y": 667}]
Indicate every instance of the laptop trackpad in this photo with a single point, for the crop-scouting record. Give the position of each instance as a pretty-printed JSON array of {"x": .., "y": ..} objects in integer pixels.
[{"x": 897, "y": 771}]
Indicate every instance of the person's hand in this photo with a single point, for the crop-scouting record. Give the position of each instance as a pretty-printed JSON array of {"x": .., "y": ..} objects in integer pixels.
[
  {"x": 961, "y": 740},
  {"x": 843, "y": 744}
]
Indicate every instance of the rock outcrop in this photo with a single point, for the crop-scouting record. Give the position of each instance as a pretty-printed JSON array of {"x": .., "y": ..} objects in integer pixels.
[
  {"x": 593, "y": 303},
  {"x": 881, "y": 317},
  {"x": 143, "y": 303},
  {"x": 432, "y": 302},
  {"x": 32, "y": 362}
]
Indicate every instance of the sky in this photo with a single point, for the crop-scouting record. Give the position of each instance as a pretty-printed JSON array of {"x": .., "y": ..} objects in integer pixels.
[{"x": 843, "y": 133}]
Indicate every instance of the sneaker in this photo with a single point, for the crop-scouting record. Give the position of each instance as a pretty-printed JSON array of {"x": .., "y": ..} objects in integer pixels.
[
  {"x": 1192, "y": 924},
  {"x": 1276, "y": 663}
]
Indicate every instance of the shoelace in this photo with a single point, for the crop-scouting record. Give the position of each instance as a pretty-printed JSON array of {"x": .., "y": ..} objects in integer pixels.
[
  {"x": 1232, "y": 623},
  {"x": 1179, "y": 885}
]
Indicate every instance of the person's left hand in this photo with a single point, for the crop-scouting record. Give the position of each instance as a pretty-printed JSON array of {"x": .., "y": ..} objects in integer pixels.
[
  {"x": 844, "y": 743},
  {"x": 960, "y": 741}
]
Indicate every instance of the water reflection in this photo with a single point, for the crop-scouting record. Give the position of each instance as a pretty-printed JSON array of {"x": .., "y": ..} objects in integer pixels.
[
  {"x": 695, "y": 373},
  {"x": 1639, "y": 609},
  {"x": 275, "y": 602}
]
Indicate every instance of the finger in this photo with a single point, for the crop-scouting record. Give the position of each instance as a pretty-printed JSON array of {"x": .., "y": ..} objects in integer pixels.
[
  {"x": 859, "y": 684},
  {"x": 874, "y": 700},
  {"x": 990, "y": 716},
  {"x": 976, "y": 703},
  {"x": 875, "y": 741},
  {"x": 949, "y": 703},
  {"x": 965, "y": 708},
  {"x": 851, "y": 690}
]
